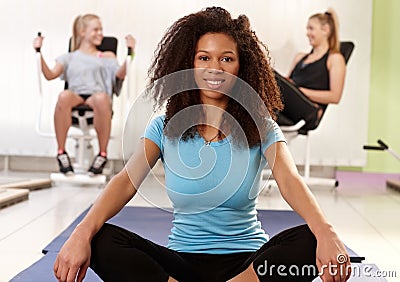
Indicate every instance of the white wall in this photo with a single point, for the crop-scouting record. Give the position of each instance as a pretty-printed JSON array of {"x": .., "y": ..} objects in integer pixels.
[{"x": 280, "y": 24}]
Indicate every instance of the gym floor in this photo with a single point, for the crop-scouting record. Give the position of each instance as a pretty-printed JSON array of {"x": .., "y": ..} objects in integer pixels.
[{"x": 363, "y": 211}]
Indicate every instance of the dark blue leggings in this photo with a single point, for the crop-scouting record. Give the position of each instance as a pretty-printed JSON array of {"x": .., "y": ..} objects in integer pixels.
[{"x": 120, "y": 255}]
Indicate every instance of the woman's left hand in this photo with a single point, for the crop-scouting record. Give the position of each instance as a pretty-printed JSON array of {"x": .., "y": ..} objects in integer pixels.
[
  {"x": 333, "y": 260},
  {"x": 130, "y": 41}
]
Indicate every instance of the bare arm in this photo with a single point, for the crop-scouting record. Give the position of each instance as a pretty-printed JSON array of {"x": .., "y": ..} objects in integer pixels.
[
  {"x": 48, "y": 73},
  {"x": 293, "y": 187},
  {"x": 53, "y": 73},
  {"x": 337, "y": 72},
  {"x": 74, "y": 256},
  {"x": 130, "y": 43},
  {"x": 122, "y": 187},
  {"x": 296, "y": 193}
]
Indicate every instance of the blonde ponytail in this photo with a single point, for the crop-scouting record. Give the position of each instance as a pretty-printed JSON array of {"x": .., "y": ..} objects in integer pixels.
[
  {"x": 330, "y": 18},
  {"x": 76, "y": 39}
]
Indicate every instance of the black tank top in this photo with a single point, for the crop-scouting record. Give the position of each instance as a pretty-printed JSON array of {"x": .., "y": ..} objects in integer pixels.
[{"x": 314, "y": 75}]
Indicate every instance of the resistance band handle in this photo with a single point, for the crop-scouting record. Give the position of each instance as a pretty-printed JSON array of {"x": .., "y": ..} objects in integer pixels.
[
  {"x": 383, "y": 145},
  {"x": 377, "y": 148},
  {"x": 39, "y": 34}
]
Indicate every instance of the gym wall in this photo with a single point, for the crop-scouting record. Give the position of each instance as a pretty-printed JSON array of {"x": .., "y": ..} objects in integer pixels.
[{"x": 384, "y": 114}]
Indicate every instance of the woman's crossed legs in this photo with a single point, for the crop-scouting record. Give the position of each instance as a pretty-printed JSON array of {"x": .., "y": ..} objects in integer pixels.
[{"x": 120, "y": 255}]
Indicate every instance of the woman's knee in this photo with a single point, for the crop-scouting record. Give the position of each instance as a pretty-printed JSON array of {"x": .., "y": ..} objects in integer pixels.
[
  {"x": 101, "y": 239},
  {"x": 288, "y": 252},
  {"x": 307, "y": 237},
  {"x": 106, "y": 235},
  {"x": 106, "y": 245},
  {"x": 67, "y": 100},
  {"x": 111, "y": 237},
  {"x": 117, "y": 256},
  {"x": 100, "y": 102},
  {"x": 297, "y": 234}
]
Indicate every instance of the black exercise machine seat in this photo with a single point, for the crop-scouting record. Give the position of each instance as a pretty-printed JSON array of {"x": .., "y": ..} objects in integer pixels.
[
  {"x": 81, "y": 111},
  {"x": 108, "y": 44}
]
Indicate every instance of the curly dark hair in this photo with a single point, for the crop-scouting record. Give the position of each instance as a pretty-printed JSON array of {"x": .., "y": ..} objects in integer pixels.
[{"x": 176, "y": 52}]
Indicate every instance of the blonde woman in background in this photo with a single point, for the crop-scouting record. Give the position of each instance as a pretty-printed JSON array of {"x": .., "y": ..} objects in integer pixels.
[
  {"x": 320, "y": 74},
  {"x": 90, "y": 74}
]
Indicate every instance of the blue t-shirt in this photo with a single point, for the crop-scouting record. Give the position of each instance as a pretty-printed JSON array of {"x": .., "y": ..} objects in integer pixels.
[{"x": 213, "y": 189}]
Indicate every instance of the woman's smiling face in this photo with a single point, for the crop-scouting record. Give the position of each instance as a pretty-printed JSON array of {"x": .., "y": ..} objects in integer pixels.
[
  {"x": 216, "y": 64},
  {"x": 93, "y": 31}
]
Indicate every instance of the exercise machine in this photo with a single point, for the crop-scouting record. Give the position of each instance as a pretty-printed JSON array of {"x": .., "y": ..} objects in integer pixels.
[
  {"x": 382, "y": 146},
  {"x": 297, "y": 121},
  {"x": 82, "y": 119}
]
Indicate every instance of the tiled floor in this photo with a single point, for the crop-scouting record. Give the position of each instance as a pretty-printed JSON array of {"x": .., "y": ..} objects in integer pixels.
[{"x": 364, "y": 212}]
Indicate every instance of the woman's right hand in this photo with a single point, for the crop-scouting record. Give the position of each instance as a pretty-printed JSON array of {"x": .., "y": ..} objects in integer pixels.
[
  {"x": 37, "y": 42},
  {"x": 130, "y": 42},
  {"x": 73, "y": 259}
]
